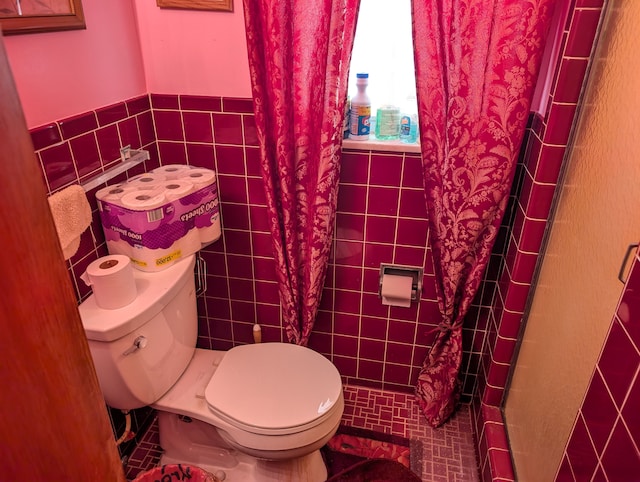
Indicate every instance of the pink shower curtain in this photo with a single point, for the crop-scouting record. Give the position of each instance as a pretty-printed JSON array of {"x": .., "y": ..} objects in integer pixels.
[
  {"x": 299, "y": 54},
  {"x": 476, "y": 66}
]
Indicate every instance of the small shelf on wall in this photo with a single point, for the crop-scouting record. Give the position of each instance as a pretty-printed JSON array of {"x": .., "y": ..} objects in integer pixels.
[{"x": 130, "y": 158}]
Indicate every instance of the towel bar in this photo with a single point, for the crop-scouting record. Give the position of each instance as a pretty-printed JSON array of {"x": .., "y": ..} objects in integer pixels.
[{"x": 130, "y": 158}]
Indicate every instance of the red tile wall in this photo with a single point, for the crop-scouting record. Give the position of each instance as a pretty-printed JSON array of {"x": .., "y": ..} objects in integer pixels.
[{"x": 605, "y": 441}]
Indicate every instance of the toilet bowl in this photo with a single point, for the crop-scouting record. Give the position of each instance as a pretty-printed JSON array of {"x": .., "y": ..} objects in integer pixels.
[{"x": 255, "y": 412}]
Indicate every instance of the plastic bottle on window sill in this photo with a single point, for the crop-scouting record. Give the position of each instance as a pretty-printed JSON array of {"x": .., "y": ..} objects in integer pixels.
[
  {"x": 409, "y": 121},
  {"x": 347, "y": 113},
  {"x": 360, "y": 115},
  {"x": 387, "y": 123}
]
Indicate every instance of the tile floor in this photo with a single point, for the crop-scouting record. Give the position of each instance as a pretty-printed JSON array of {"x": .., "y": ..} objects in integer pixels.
[{"x": 448, "y": 452}]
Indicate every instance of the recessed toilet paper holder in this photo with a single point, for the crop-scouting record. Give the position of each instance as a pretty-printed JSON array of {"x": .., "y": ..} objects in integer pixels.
[{"x": 412, "y": 272}]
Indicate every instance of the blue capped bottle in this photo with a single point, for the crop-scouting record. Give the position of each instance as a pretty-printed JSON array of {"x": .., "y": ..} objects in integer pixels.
[{"x": 409, "y": 121}]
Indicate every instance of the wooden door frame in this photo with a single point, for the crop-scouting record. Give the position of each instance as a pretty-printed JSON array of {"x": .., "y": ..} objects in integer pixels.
[{"x": 53, "y": 423}]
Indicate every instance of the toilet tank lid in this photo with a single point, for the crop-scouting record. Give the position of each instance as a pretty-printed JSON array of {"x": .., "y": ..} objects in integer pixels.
[
  {"x": 155, "y": 290},
  {"x": 273, "y": 386}
]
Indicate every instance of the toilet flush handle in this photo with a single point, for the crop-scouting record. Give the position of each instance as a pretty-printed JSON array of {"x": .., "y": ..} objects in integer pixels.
[{"x": 139, "y": 342}]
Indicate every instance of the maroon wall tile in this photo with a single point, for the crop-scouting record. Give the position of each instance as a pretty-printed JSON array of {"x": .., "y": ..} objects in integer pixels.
[
  {"x": 227, "y": 128},
  {"x": 45, "y": 136},
  {"x": 230, "y": 160},
  {"x": 354, "y": 168},
  {"x": 86, "y": 155},
  {"x": 58, "y": 166},
  {"x": 129, "y": 134},
  {"x": 168, "y": 125},
  {"x": 385, "y": 169},
  {"x": 618, "y": 356},
  {"x": 164, "y": 101},
  {"x": 237, "y": 105},
  {"x": 582, "y": 33},
  {"x": 112, "y": 113},
  {"x": 200, "y": 103},
  {"x": 197, "y": 127},
  {"x": 138, "y": 105},
  {"x": 559, "y": 123},
  {"x": 79, "y": 124},
  {"x": 381, "y": 229},
  {"x": 569, "y": 85}
]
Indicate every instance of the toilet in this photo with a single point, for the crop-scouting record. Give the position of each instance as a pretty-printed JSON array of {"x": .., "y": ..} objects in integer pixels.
[{"x": 255, "y": 412}]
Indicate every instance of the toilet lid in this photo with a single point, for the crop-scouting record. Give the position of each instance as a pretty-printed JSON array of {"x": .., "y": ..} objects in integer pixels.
[{"x": 273, "y": 386}]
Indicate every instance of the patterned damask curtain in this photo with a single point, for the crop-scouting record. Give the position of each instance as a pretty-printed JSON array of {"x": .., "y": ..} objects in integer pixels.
[
  {"x": 299, "y": 55},
  {"x": 476, "y": 65}
]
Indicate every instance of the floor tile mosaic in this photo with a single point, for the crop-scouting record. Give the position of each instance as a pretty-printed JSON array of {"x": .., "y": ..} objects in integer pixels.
[{"x": 448, "y": 451}]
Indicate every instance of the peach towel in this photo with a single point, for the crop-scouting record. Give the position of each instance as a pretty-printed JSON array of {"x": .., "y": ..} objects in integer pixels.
[{"x": 71, "y": 215}]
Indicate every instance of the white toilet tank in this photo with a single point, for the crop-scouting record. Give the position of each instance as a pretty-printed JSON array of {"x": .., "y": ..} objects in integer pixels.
[{"x": 140, "y": 350}]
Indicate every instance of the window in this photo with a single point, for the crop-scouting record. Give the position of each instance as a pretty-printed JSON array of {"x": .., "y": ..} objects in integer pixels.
[{"x": 383, "y": 48}]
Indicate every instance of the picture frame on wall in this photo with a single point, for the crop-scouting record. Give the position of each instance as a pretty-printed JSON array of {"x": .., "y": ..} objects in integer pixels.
[
  {"x": 219, "y": 5},
  {"x": 31, "y": 16}
]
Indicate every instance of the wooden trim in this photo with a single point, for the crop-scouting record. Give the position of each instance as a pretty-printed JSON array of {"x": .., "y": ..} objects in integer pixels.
[
  {"x": 220, "y": 5},
  {"x": 54, "y": 423},
  {"x": 45, "y": 23}
]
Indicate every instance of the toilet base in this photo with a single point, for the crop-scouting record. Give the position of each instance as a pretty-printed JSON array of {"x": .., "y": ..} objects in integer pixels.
[{"x": 193, "y": 442}]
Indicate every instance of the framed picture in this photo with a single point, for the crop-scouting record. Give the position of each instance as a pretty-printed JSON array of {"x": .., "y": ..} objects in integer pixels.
[
  {"x": 32, "y": 16},
  {"x": 221, "y": 5}
]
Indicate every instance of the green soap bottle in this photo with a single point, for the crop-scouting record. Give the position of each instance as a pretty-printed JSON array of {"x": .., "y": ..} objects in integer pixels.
[{"x": 388, "y": 123}]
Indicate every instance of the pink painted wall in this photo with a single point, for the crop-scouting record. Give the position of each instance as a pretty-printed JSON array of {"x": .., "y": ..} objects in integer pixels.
[
  {"x": 60, "y": 74},
  {"x": 194, "y": 52}
]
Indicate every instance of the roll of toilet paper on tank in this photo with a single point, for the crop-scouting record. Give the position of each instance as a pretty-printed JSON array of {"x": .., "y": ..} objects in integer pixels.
[
  {"x": 199, "y": 177},
  {"x": 396, "y": 290},
  {"x": 171, "y": 171},
  {"x": 111, "y": 278},
  {"x": 190, "y": 243},
  {"x": 176, "y": 188},
  {"x": 144, "y": 200},
  {"x": 147, "y": 179},
  {"x": 209, "y": 234},
  {"x": 114, "y": 193}
]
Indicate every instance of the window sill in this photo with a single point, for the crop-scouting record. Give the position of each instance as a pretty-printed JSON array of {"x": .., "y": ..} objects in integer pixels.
[{"x": 375, "y": 145}]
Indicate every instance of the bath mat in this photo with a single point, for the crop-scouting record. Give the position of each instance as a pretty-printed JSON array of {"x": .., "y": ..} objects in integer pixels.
[
  {"x": 351, "y": 446},
  {"x": 376, "y": 470}
]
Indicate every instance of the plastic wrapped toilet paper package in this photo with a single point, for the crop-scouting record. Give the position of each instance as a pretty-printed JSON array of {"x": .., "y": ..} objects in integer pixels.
[{"x": 160, "y": 217}]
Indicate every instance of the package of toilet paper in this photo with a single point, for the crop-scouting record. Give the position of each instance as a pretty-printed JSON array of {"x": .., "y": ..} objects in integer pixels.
[{"x": 160, "y": 217}]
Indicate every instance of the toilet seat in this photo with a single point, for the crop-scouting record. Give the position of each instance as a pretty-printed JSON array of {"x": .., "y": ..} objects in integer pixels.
[
  {"x": 187, "y": 398},
  {"x": 248, "y": 388}
]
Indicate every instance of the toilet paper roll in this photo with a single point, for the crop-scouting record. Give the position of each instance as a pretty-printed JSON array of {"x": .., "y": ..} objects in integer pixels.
[
  {"x": 177, "y": 188},
  {"x": 114, "y": 193},
  {"x": 190, "y": 242},
  {"x": 199, "y": 177},
  {"x": 147, "y": 179},
  {"x": 208, "y": 234},
  {"x": 111, "y": 278},
  {"x": 396, "y": 290},
  {"x": 171, "y": 171},
  {"x": 144, "y": 200}
]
